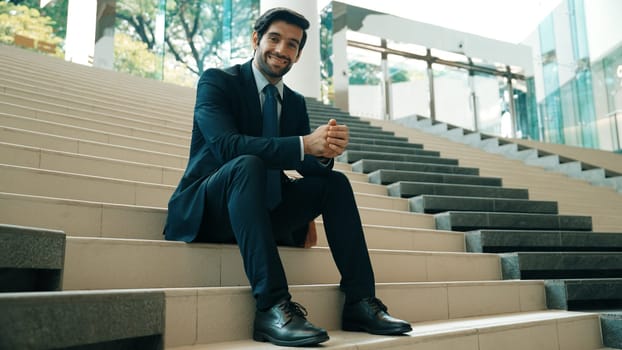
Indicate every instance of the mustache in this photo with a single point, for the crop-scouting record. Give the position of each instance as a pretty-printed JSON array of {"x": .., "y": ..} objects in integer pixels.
[{"x": 285, "y": 58}]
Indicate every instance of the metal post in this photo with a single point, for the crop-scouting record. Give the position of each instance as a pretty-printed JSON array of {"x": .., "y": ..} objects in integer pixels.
[
  {"x": 616, "y": 130},
  {"x": 511, "y": 97},
  {"x": 429, "y": 60},
  {"x": 474, "y": 102},
  {"x": 386, "y": 80}
]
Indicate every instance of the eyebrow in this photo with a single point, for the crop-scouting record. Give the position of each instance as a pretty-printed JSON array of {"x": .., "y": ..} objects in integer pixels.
[{"x": 280, "y": 36}]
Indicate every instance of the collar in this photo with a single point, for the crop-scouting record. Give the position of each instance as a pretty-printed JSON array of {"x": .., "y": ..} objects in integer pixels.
[{"x": 261, "y": 81}]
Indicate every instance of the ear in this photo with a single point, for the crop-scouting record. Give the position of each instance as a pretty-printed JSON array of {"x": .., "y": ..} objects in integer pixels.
[{"x": 255, "y": 40}]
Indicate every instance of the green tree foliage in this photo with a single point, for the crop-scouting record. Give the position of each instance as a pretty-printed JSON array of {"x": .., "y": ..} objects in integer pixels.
[
  {"x": 398, "y": 75},
  {"x": 362, "y": 73},
  {"x": 196, "y": 30},
  {"x": 56, "y": 10},
  {"x": 22, "y": 20},
  {"x": 132, "y": 56}
]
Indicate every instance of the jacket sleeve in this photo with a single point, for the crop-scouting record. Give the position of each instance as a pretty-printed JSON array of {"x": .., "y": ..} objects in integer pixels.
[
  {"x": 218, "y": 113},
  {"x": 311, "y": 165}
]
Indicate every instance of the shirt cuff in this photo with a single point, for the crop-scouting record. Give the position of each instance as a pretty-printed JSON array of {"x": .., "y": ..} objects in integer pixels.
[{"x": 302, "y": 149}]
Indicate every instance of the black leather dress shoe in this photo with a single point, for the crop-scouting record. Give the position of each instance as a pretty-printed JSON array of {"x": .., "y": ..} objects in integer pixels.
[
  {"x": 285, "y": 324},
  {"x": 370, "y": 315}
]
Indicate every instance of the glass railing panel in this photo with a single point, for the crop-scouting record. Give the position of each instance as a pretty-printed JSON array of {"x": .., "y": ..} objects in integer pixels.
[
  {"x": 453, "y": 96},
  {"x": 366, "y": 96},
  {"x": 409, "y": 87}
]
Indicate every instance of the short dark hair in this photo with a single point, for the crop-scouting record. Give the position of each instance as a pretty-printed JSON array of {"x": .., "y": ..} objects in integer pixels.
[{"x": 283, "y": 14}]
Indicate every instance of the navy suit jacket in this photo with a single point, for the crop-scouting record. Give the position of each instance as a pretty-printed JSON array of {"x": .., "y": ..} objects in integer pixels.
[{"x": 228, "y": 124}]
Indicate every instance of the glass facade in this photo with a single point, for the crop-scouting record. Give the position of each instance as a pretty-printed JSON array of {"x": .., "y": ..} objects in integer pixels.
[
  {"x": 170, "y": 40},
  {"x": 579, "y": 106},
  {"x": 607, "y": 86},
  {"x": 390, "y": 80}
]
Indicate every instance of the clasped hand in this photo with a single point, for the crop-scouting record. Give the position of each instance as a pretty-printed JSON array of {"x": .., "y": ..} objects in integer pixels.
[{"x": 328, "y": 141}]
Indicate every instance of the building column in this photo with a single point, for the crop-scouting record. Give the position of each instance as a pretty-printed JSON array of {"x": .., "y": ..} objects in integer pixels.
[
  {"x": 80, "y": 39},
  {"x": 90, "y": 32},
  {"x": 305, "y": 75},
  {"x": 341, "y": 75},
  {"x": 104, "y": 34}
]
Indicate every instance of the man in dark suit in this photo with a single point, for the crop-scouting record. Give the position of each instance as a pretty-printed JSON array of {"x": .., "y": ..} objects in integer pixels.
[{"x": 228, "y": 192}]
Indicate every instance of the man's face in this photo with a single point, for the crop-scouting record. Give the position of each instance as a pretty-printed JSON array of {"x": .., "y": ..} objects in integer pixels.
[{"x": 278, "y": 49}]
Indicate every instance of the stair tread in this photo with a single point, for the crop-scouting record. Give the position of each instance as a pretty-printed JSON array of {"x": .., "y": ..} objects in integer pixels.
[
  {"x": 435, "y": 331},
  {"x": 497, "y": 241},
  {"x": 427, "y": 203},
  {"x": 98, "y": 263}
]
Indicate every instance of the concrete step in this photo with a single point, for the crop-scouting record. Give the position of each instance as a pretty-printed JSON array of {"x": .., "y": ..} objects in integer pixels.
[
  {"x": 371, "y": 134},
  {"x": 31, "y": 259},
  {"x": 394, "y": 143},
  {"x": 407, "y": 189},
  {"x": 50, "y": 103},
  {"x": 82, "y": 319},
  {"x": 370, "y": 165},
  {"x": 46, "y": 67},
  {"x": 108, "y": 263},
  {"x": 354, "y": 156},
  {"x": 354, "y": 127},
  {"x": 49, "y": 68},
  {"x": 584, "y": 294},
  {"x": 15, "y": 86},
  {"x": 208, "y": 315},
  {"x": 561, "y": 265},
  {"x": 48, "y": 183},
  {"x": 91, "y": 148},
  {"x": 121, "y": 118},
  {"x": 115, "y": 125},
  {"x": 468, "y": 221},
  {"x": 501, "y": 241},
  {"x": 97, "y": 219},
  {"x": 542, "y": 330},
  {"x": 61, "y": 184},
  {"x": 534, "y": 157},
  {"x": 402, "y": 238},
  {"x": 134, "y": 90},
  {"x": 91, "y": 134},
  {"x": 322, "y": 116},
  {"x": 391, "y": 149},
  {"x": 611, "y": 325},
  {"x": 552, "y": 162},
  {"x": 32, "y": 157},
  {"x": 385, "y": 177},
  {"x": 437, "y": 204},
  {"x": 109, "y": 93}
]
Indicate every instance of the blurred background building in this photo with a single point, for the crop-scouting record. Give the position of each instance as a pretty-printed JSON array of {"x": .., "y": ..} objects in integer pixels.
[{"x": 558, "y": 79}]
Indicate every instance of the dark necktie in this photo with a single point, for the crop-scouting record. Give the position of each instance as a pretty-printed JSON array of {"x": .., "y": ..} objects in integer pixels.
[{"x": 271, "y": 129}]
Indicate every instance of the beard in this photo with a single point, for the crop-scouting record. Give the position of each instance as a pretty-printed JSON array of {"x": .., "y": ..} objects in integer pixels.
[{"x": 262, "y": 59}]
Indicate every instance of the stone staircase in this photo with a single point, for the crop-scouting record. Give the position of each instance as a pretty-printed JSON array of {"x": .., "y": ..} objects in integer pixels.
[
  {"x": 90, "y": 158},
  {"x": 599, "y": 168}
]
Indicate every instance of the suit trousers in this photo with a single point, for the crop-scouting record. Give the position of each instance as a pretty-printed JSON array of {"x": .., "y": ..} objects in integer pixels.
[{"x": 236, "y": 212}]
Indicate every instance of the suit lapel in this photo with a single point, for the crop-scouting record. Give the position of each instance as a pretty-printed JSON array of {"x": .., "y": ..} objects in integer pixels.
[{"x": 249, "y": 91}]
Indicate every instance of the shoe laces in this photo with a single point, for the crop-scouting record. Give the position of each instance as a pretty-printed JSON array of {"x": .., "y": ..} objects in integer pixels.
[
  {"x": 292, "y": 308},
  {"x": 377, "y": 305}
]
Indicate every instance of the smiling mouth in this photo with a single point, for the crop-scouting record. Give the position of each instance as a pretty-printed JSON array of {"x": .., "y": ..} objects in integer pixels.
[{"x": 278, "y": 59}]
